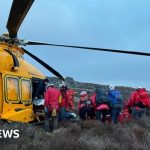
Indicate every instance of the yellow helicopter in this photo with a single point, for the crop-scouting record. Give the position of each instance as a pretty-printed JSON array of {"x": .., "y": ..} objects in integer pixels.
[{"x": 17, "y": 76}]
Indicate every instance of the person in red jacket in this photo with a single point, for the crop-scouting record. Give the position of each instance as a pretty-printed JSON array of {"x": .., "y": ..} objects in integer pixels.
[
  {"x": 139, "y": 101},
  {"x": 93, "y": 99},
  {"x": 70, "y": 97},
  {"x": 64, "y": 102},
  {"x": 85, "y": 106},
  {"x": 52, "y": 101}
]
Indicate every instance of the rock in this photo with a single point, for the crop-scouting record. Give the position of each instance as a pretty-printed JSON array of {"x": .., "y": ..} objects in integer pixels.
[{"x": 69, "y": 80}]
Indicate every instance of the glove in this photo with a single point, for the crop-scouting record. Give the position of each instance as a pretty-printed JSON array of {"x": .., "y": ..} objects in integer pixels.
[{"x": 54, "y": 113}]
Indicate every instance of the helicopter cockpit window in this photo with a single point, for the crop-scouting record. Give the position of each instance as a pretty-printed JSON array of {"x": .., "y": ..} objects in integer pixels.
[
  {"x": 26, "y": 90},
  {"x": 12, "y": 88}
]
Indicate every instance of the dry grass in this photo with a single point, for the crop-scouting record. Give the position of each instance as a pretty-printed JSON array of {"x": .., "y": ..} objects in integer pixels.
[{"x": 85, "y": 135}]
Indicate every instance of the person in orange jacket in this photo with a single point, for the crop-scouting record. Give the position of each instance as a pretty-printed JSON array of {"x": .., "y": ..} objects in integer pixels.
[
  {"x": 138, "y": 102},
  {"x": 52, "y": 98}
]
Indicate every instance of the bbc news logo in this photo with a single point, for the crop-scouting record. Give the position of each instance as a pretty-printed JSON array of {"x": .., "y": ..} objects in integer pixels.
[{"x": 9, "y": 134}]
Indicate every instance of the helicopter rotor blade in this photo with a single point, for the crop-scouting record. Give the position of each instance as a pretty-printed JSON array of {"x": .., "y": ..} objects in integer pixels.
[
  {"x": 92, "y": 48},
  {"x": 36, "y": 43},
  {"x": 44, "y": 64},
  {"x": 19, "y": 9}
]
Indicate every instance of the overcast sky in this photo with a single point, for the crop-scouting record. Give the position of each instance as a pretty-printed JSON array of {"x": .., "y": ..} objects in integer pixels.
[{"x": 117, "y": 24}]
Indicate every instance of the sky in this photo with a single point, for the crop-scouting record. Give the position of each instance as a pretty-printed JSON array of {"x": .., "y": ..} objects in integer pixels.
[{"x": 116, "y": 24}]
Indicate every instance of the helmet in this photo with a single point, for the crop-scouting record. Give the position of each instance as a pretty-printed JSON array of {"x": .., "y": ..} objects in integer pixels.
[
  {"x": 111, "y": 87},
  {"x": 83, "y": 93},
  {"x": 139, "y": 87},
  {"x": 62, "y": 84},
  {"x": 49, "y": 85}
]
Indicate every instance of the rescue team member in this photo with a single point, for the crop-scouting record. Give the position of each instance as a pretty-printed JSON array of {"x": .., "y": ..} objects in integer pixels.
[
  {"x": 116, "y": 103},
  {"x": 93, "y": 99},
  {"x": 52, "y": 103},
  {"x": 85, "y": 106},
  {"x": 64, "y": 102},
  {"x": 70, "y": 97},
  {"x": 102, "y": 105},
  {"x": 138, "y": 103}
]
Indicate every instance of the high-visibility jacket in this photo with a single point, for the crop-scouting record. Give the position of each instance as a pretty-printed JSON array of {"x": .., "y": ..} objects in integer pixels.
[
  {"x": 93, "y": 99},
  {"x": 52, "y": 98},
  {"x": 70, "y": 97},
  {"x": 84, "y": 102},
  {"x": 134, "y": 98},
  {"x": 139, "y": 98},
  {"x": 64, "y": 101},
  {"x": 144, "y": 97}
]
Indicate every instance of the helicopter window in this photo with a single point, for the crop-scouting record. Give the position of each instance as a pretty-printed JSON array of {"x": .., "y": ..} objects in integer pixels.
[
  {"x": 12, "y": 88},
  {"x": 26, "y": 90}
]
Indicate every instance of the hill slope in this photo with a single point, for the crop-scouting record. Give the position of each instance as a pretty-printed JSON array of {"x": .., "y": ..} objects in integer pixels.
[
  {"x": 82, "y": 135},
  {"x": 87, "y": 135}
]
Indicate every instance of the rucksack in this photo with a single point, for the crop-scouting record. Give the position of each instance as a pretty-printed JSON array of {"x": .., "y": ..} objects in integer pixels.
[
  {"x": 115, "y": 97},
  {"x": 101, "y": 97}
]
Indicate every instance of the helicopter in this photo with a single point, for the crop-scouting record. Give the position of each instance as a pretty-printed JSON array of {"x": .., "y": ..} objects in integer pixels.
[{"x": 17, "y": 75}]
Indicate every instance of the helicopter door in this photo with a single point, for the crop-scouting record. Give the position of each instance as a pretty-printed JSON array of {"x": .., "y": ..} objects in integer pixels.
[
  {"x": 38, "y": 88},
  {"x": 1, "y": 93}
]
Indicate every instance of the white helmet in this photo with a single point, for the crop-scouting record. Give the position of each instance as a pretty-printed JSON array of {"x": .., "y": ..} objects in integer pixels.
[
  {"x": 62, "y": 84},
  {"x": 49, "y": 85},
  {"x": 83, "y": 93},
  {"x": 111, "y": 87},
  {"x": 139, "y": 87}
]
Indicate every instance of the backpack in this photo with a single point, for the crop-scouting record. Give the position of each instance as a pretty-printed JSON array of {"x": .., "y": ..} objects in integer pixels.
[
  {"x": 101, "y": 97},
  {"x": 115, "y": 97}
]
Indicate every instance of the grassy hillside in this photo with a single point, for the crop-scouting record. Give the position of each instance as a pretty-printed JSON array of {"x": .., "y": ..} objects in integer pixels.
[
  {"x": 82, "y": 135},
  {"x": 87, "y": 135}
]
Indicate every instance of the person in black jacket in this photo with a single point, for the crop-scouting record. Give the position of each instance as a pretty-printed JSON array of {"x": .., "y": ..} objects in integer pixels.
[{"x": 102, "y": 105}]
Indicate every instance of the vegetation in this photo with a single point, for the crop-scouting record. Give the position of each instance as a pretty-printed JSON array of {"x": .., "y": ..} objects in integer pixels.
[{"x": 84, "y": 135}]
